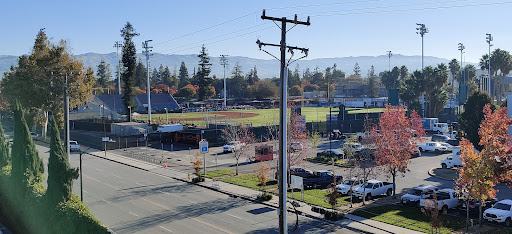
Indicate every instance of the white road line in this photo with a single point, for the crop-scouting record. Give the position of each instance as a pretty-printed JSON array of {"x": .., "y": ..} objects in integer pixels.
[
  {"x": 192, "y": 202},
  {"x": 106, "y": 201},
  {"x": 97, "y": 169},
  {"x": 234, "y": 216},
  {"x": 165, "y": 229},
  {"x": 139, "y": 184},
  {"x": 166, "y": 193},
  {"x": 85, "y": 191},
  {"x": 133, "y": 214},
  {"x": 119, "y": 177}
]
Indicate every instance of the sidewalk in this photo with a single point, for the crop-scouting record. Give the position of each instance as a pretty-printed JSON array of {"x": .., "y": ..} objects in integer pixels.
[{"x": 351, "y": 222}]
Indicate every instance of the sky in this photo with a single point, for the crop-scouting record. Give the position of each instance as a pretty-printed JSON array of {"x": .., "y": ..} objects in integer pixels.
[{"x": 339, "y": 28}]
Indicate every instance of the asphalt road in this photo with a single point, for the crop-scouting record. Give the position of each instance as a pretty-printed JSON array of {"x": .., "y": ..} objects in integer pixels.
[{"x": 129, "y": 200}]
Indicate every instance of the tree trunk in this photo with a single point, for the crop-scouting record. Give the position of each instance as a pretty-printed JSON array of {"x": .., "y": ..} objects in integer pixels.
[
  {"x": 394, "y": 187},
  {"x": 480, "y": 215},
  {"x": 236, "y": 167},
  {"x": 467, "y": 215}
]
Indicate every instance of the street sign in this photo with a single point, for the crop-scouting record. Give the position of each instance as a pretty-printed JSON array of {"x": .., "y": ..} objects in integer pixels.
[
  {"x": 297, "y": 182},
  {"x": 203, "y": 146},
  {"x": 105, "y": 139}
]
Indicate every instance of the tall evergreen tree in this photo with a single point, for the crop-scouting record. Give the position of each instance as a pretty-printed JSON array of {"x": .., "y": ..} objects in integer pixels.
[
  {"x": 104, "y": 74},
  {"x": 203, "y": 72},
  {"x": 183, "y": 75},
  {"x": 373, "y": 88},
  {"x": 140, "y": 75},
  {"x": 5, "y": 157},
  {"x": 154, "y": 78},
  {"x": 60, "y": 173},
  {"x": 357, "y": 70},
  {"x": 130, "y": 65},
  {"x": 27, "y": 167},
  {"x": 252, "y": 77}
]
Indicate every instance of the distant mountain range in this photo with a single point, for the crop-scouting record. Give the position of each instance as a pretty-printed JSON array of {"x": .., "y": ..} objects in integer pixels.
[{"x": 267, "y": 68}]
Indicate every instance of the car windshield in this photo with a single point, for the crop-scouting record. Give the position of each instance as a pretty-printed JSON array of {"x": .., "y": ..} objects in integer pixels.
[
  {"x": 348, "y": 182},
  {"x": 415, "y": 192},
  {"x": 502, "y": 206},
  {"x": 368, "y": 185}
]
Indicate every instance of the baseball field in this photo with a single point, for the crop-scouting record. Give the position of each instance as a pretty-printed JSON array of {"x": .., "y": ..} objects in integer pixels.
[{"x": 257, "y": 117}]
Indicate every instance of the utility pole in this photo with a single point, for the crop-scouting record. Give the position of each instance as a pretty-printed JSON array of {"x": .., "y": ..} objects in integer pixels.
[
  {"x": 422, "y": 30},
  {"x": 224, "y": 63},
  {"x": 489, "y": 39},
  {"x": 66, "y": 115},
  {"x": 389, "y": 60},
  {"x": 461, "y": 48},
  {"x": 118, "y": 45},
  {"x": 147, "y": 52},
  {"x": 283, "y": 109}
]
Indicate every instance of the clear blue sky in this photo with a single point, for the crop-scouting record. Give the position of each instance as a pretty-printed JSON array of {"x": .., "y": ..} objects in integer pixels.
[{"x": 339, "y": 28}]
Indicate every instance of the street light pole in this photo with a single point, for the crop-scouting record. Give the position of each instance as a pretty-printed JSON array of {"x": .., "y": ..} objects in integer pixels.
[
  {"x": 389, "y": 60},
  {"x": 81, "y": 181},
  {"x": 489, "y": 39},
  {"x": 224, "y": 62},
  {"x": 461, "y": 48},
  {"x": 130, "y": 114},
  {"x": 166, "y": 116}
]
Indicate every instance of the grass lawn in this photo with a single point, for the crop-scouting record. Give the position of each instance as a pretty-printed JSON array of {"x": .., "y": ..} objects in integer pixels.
[
  {"x": 219, "y": 173},
  {"x": 265, "y": 116},
  {"x": 249, "y": 181},
  {"x": 317, "y": 197},
  {"x": 410, "y": 217}
]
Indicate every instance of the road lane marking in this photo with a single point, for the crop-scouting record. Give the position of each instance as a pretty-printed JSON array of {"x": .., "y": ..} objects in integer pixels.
[
  {"x": 106, "y": 201},
  {"x": 165, "y": 229},
  {"x": 133, "y": 214},
  {"x": 192, "y": 202},
  {"x": 116, "y": 176},
  {"x": 234, "y": 216},
  {"x": 139, "y": 184},
  {"x": 213, "y": 226},
  {"x": 108, "y": 185},
  {"x": 85, "y": 191},
  {"x": 166, "y": 193},
  {"x": 97, "y": 169}
]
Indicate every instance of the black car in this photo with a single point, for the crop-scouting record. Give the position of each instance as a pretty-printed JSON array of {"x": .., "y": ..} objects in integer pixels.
[
  {"x": 331, "y": 153},
  {"x": 439, "y": 137},
  {"x": 474, "y": 207},
  {"x": 365, "y": 154},
  {"x": 453, "y": 142}
]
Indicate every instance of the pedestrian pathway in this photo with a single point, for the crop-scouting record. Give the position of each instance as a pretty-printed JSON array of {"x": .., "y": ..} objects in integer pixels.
[{"x": 352, "y": 222}]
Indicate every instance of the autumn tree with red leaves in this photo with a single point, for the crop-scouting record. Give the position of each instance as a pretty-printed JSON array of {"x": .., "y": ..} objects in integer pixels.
[
  {"x": 480, "y": 172},
  {"x": 296, "y": 139},
  {"x": 393, "y": 138}
]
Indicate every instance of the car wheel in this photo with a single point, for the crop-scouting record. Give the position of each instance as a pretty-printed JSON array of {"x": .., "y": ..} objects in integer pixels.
[
  {"x": 389, "y": 192},
  {"x": 444, "y": 210},
  {"x": 421, "y": 149},
  {"x": 437, "y": 151},
  {"x": 444, "y": 166},
  {"x": 368, "y": 196},
  {"x": 508, "y": 222}
]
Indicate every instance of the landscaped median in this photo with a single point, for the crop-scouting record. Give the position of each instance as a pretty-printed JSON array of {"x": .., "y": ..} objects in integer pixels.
[
  {"x": 410, "y": 218},
  {"x": 315, "y": 197}
]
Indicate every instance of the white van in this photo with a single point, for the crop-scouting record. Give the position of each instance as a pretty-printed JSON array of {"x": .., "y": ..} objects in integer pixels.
[
  {"x": 454, "y": 159},
  {"x": 440, "y": 128}
]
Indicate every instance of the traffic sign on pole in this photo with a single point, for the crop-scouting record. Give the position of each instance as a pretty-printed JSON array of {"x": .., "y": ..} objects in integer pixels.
[{"x": 203, "y": 146}]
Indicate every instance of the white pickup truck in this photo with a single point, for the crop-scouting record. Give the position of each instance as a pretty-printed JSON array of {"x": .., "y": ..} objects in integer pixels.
[
  {"x": 501, "y": 212},
  {"x": 446, "y": 199},
  {"x": 433, "y": 146},
  {"x": 373, "y": 188}
]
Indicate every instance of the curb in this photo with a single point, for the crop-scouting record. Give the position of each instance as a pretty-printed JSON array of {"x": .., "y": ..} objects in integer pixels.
[{"x": 431, "y": 173}]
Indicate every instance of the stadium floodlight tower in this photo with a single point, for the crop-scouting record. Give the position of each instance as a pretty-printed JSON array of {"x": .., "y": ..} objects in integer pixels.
[
  {"x": 489, "y": 39},
  {"x": 422, "y": 30}
]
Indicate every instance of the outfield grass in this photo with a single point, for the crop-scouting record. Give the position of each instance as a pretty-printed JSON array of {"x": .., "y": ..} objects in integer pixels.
[
  {"x": 264, "y": 117},
  {"x": 411, "y": 218}
]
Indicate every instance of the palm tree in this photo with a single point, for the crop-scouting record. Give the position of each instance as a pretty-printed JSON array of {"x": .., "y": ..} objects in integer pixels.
[{"x": 500, "y": 60}]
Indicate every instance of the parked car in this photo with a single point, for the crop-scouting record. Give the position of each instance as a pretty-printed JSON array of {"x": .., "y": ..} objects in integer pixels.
[
  {"x": 373, "y": 188},
  {"x": 365, "y": 154},
  {"x": 348, "y": 186},
  {"x": 452, "y": 160},
  {"x": 474, "y": 206},
  {"x": 356, "y": 147},
  {"x": 232, "y": 146},
  {"x": 453, "y": 142},
  {"x": 321, "y": 178},
  {"x": 414, "y": 195},
  {"x": 501, "y": 212},
  {"x": 294, "y": 147},
  {"x": 331, "y": 153},
  {"x": 433, "y": 146},
  {"x": 439, "y": 137},
  {"x": 74, "y": 146},
  {"x": 446, "y": 199},
  {"x": 448, "y": 146},
  {"x": 34, "y": 135},
  {"x": 297, "y": 171},
  {"x": 440, "y": 128}
]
